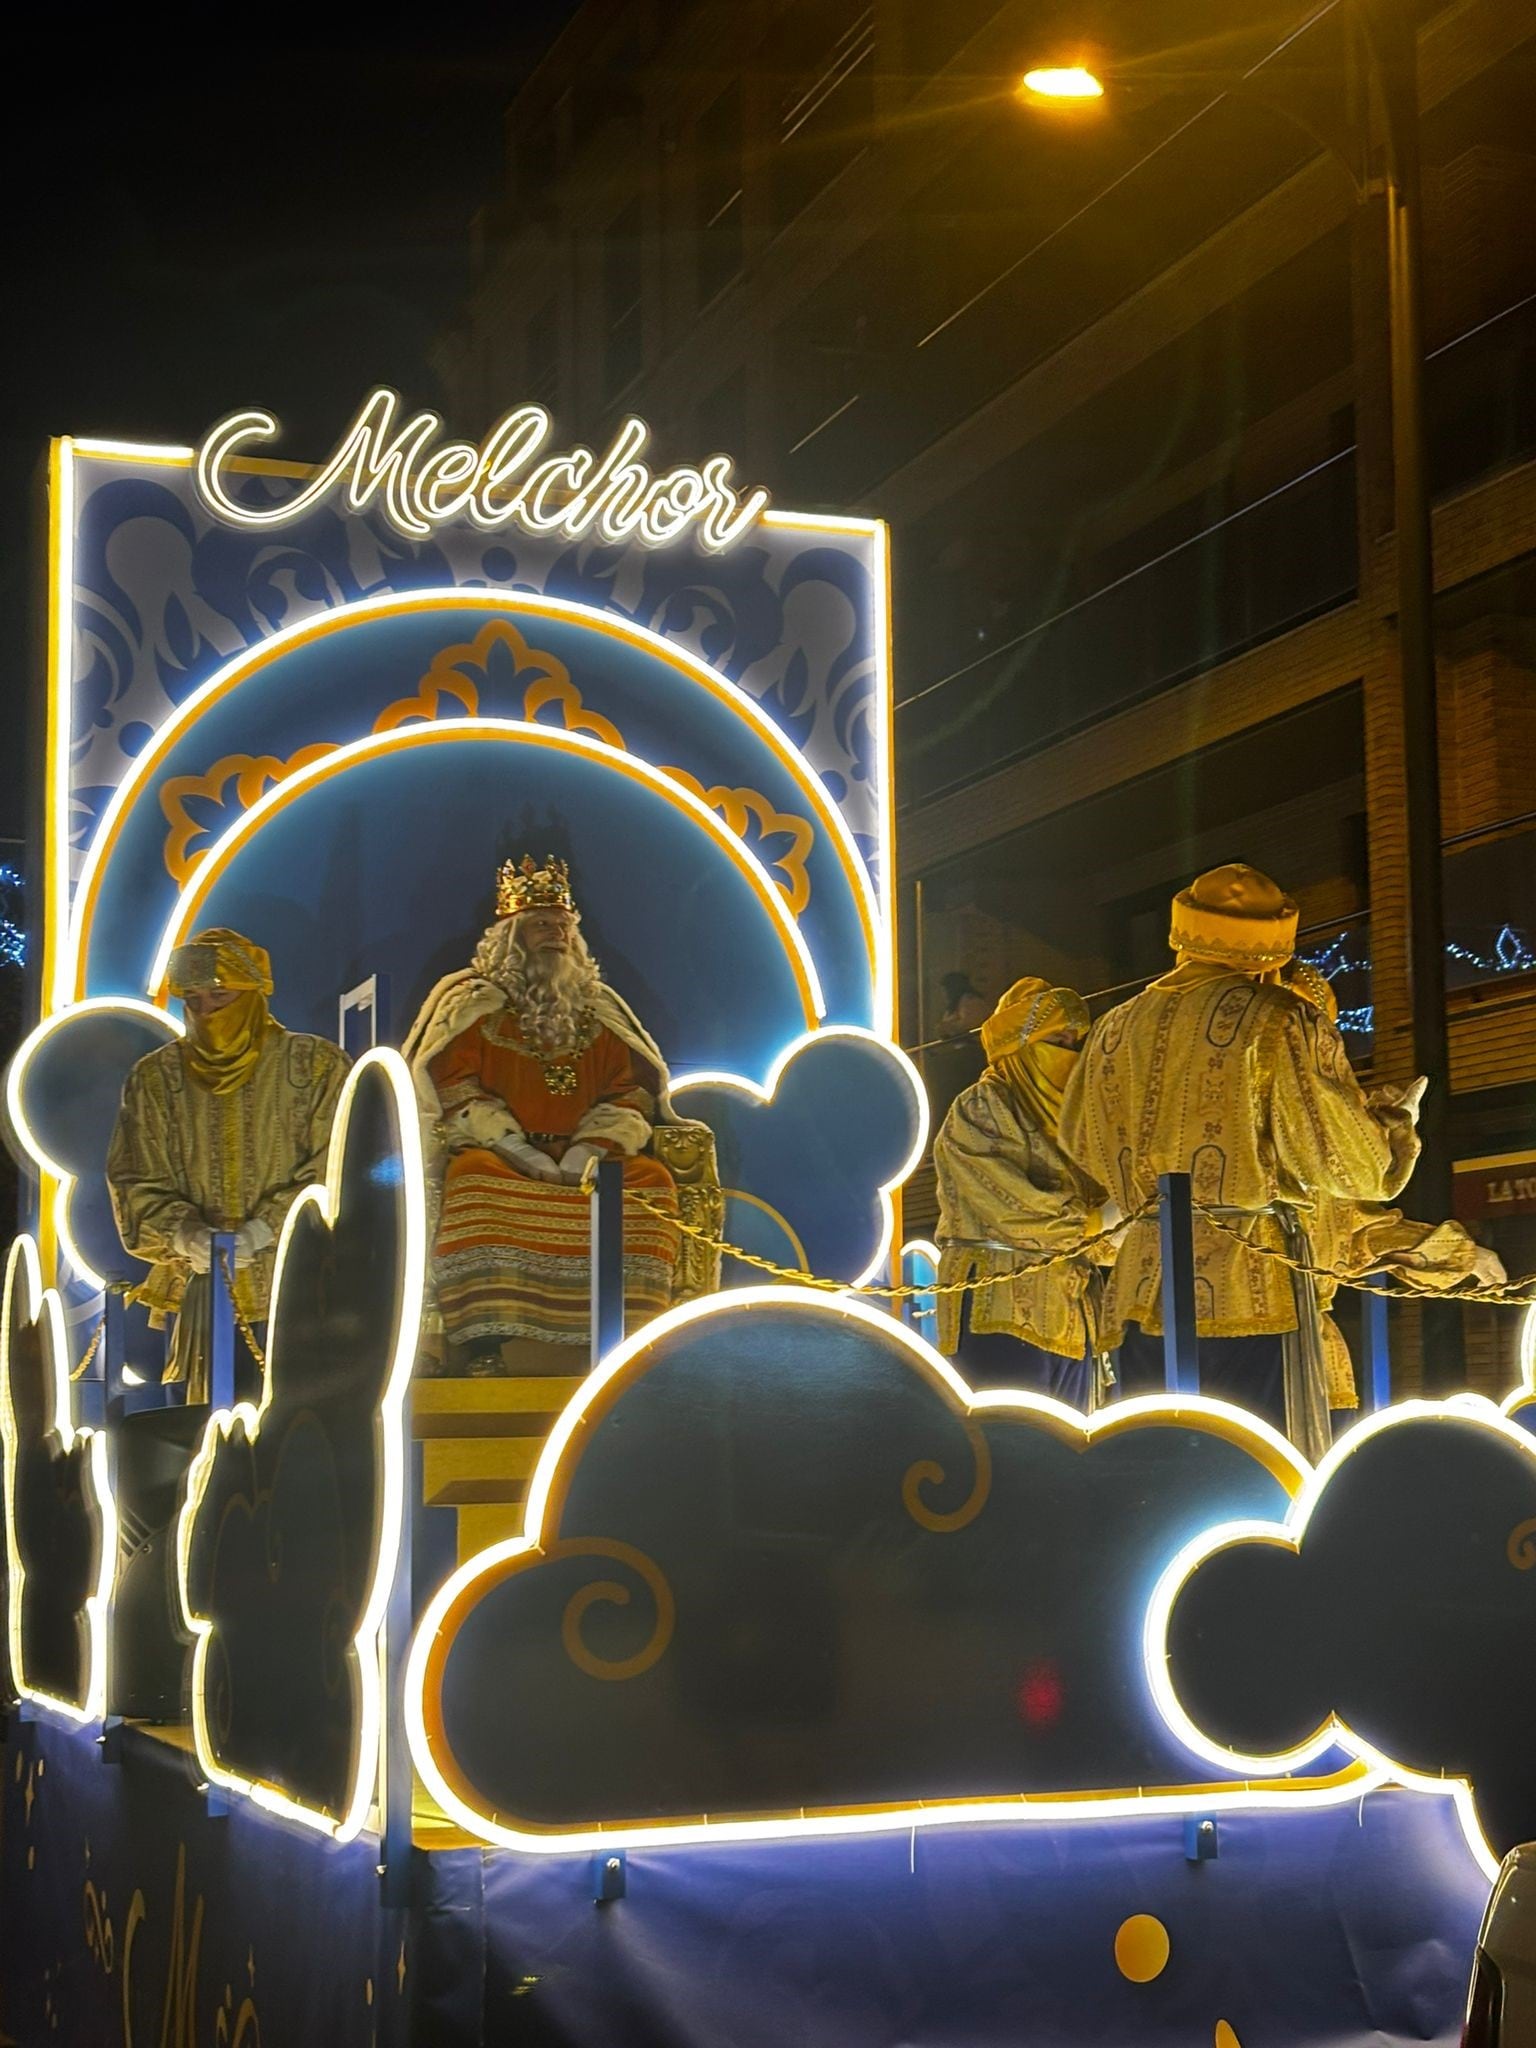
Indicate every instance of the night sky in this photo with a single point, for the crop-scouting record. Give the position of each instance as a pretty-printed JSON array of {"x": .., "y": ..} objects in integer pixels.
[{"x": 194, "y": 227}]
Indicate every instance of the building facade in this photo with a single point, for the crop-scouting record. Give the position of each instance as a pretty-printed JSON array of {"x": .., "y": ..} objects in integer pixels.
[{"x": 1118, "y": 376}]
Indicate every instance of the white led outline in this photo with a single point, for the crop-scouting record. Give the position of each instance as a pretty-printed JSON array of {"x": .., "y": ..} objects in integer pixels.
[
  {"x": 1334, "y": 1732},
  {"x": 1236, "y": 1424},
  {"x": 765, "y": 1091},
  {"x": 875, "y": 903},
  {"x": 390, "y": 1414},
  {"x": 15, "y": 1075},
  {"x": 615, "y": 495},
  {"x": 44, "y": 1306},
  {"x": 441, "y": 732}
]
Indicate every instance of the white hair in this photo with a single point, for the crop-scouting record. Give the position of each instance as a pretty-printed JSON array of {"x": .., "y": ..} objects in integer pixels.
[{"x": 551, "y": 994}]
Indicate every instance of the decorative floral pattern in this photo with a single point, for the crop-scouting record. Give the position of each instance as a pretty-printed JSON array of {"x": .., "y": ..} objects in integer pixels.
[{"x": 164, "y": 596}]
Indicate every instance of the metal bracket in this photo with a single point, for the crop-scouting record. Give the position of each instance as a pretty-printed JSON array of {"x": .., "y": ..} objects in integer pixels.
[
  {"x": 610, "y": 1877},
  {"x": 1202, "y": 1842}
]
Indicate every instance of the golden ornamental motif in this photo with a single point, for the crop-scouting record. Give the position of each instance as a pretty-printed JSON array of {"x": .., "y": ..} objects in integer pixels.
[
  {"x": 617, "y": 1595},
  {"x": 928, "y": 1472},
  {"x": 1521, "y": 1547},
  {"x": 251, "y": 774}
]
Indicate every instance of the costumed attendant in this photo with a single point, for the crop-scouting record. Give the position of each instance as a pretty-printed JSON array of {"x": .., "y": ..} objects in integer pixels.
[
  {"x": 1218, "y": 1071},
  {"x": 1362, "y": 1238},
  {"x": 218, "y": 1132},
  {"x": 528, "y": 1067},
  {"x": 1009, "y": 1197}
]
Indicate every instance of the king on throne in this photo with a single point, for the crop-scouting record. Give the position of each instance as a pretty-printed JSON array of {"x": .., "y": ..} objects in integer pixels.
[{"x": 528, "y": 1068}]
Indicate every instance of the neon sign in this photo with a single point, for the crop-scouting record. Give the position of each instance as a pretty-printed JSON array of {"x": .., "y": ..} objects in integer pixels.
[{"x": 613, "y": 496}]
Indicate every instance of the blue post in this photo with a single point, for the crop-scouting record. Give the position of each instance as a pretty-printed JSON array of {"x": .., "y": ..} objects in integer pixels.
[
  {"x": 396, "y": 1866},
  {"x": 113, "y": 1341},
  {"x": 221, "y": 1340},
  {"x": 607, "y": 1258},
  {"x": 1176, "y": 1231},
  {"x": 1377, "y": 1391},
  {"x": 113, "y": 1408}
]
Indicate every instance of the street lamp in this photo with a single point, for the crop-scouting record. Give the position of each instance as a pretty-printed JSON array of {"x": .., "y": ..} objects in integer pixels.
[
  {"x": 1385, "y": 35},
  {"x": 1061, "y": 82}
]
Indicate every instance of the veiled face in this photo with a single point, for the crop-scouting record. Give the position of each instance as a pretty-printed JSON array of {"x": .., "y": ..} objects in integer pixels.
[{"x": 204, "y": 1002}]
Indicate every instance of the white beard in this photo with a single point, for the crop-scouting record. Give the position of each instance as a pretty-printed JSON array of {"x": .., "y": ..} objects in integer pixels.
[{"x": 550, "y": 994}]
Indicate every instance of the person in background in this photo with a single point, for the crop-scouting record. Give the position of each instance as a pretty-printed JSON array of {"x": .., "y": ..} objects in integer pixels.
[
  {"x": 1219, "y": 1071},
  {"x": 1008, "y": 1197},
  {"x": 219, "y": 1131}
]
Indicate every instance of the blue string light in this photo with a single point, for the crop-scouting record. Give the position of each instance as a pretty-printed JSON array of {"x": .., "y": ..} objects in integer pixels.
[
  {"x": 1512, "y": 954},
  {"x": 13, "y": 938}
]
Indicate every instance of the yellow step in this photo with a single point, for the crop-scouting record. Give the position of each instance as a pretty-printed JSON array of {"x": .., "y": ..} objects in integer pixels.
[
  {"x": 482, "y": 1523},
  {"x": 446, "y": 1459},
  {"x": 509, "y": 1407}
]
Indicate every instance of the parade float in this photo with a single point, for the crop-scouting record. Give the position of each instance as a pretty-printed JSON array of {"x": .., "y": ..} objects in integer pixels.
[{"x": 757, "y": 1680}]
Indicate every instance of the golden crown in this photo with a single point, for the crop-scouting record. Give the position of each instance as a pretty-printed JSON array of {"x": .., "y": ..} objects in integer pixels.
[{"x": 522, "y": 886}]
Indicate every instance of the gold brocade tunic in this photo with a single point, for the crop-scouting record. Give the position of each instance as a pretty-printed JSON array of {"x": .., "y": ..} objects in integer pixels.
[
  {"x": 1249, "y": 1090},
  {"x": 1008, "y": 1193},
  {"x": 181, "y": 1154}
]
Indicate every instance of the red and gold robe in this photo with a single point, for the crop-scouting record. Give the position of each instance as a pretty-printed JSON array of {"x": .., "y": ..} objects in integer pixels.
[{"x": 512, "y": 1253}]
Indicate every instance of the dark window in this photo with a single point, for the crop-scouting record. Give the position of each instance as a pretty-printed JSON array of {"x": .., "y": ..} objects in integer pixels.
[
  {"x": 824, "y": 57},
  {"x": 623, "y": 340},
  {"x": 722, "y": 418},
  {"x": 541, "y": 355},
  {"x": 719, "y": 192}
]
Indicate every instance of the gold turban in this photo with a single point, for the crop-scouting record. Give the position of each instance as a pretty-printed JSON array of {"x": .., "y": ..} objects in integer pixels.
[
  {"x": 1234, "y": 917},
  {"x": 222, "y": 1047},
  {"x": 1014, "y": 1041}
]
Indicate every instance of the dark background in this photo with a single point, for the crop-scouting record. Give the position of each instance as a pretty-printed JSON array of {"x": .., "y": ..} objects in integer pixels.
[{"x": 221, "y": 217}]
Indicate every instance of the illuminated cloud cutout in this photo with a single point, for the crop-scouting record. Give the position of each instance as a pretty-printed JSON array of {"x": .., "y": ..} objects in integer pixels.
[
  {"x": 286, "y": 1546},
  {"x": 62, "y": 1093},
  {"x": 1393, "y": 1611},
  {"x": 821, "y": 1145},
  {"x": 785, "y": 1573},
  {"x": 60, "y": 1521}
]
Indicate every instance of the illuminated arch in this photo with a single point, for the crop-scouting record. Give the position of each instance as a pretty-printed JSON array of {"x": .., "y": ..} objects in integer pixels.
[
  {"x": 67, "y": 982},
  {"x": 504, "y": 732}
]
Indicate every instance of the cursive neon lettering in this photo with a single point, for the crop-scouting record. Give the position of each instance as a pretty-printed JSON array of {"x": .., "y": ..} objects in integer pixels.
[{"x": 420, "y": 482}]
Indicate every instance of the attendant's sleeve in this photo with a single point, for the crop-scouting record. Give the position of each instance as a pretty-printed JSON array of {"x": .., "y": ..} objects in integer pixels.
[
  {"x": 621, "y": 1119},
  {"x": 1079, "y": 1132},
  {"x": 987, "y": 1169},
  {"x": 472, "y": 1115},
  {"x": 330, "y": 1073},
  {"x": 1327, "y": 1137},
  {"x": 146, "y": 1201}
]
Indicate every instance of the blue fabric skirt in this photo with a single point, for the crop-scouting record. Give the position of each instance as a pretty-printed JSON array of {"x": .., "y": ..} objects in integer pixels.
[
  {"x": 1247, "y": 1371},
  {"x": 991, "y": 1358}
]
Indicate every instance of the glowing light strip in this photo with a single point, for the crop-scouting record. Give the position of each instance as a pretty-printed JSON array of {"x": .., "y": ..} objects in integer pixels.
[
  {"x": 545, "y": 1502},
  {"x": 874, "y": 906},
  {"x": 43, "y": 1306},
  {"x": 62, "y": 1180},
  {"x": 61, "y": 576},
  {"x": 390, "y": 1425},
  {"x": 613, "y": 496},
  {"x": 765, "y": 1091},
  {"x": 444, "y": 732},
  {"x": 1288, "y": 1535}
]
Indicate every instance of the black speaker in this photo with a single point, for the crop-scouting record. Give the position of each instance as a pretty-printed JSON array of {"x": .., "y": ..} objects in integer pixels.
[{"x": 146, "y": 1674}]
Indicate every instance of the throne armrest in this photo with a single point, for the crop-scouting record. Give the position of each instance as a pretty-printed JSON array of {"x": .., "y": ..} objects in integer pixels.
[{"x": 687, "y": 1150}]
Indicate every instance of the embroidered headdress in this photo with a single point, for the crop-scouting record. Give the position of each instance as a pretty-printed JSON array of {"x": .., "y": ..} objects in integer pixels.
[{"x": 1234, "y": 916}]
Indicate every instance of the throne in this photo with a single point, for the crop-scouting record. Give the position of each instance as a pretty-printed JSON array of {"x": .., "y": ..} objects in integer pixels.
[{"x": 686, "y": 1149}]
